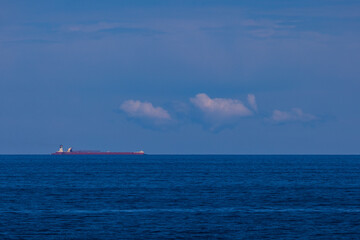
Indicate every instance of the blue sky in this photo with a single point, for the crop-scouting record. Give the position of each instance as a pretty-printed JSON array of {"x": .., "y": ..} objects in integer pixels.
[{"x": 235, "y": 77}]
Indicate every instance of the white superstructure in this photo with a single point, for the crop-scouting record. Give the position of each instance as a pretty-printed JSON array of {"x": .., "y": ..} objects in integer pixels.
[{"x": 61, "y": 149}]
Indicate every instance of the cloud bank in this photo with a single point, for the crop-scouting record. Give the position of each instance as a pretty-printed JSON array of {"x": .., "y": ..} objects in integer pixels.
[
  {"x": 295, "y": 115},
  {"x": 137, "y": 109},
  {"x": 214, "y": 114}
]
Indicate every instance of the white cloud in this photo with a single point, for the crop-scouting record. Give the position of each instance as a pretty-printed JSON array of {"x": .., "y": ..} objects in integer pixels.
[
  {"x": 144, "y": 110},
  {"x": 252, "y": 101},
  {"x": 295, "y": 115},
  {"x": 220, "y": 107}
]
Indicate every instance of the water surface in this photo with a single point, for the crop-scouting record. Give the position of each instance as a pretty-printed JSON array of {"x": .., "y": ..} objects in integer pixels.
[{"x": 179, "y": 197}]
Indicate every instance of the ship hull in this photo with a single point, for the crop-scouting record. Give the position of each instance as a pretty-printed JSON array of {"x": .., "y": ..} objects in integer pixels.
[{"x": 98, "y": 153}]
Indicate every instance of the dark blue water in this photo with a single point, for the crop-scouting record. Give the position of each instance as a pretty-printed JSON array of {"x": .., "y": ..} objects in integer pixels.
[{"x": 179, "y": 197}]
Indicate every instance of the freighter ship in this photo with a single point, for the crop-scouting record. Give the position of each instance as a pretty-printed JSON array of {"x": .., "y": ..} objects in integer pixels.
[{"x": 71, "y": 152}]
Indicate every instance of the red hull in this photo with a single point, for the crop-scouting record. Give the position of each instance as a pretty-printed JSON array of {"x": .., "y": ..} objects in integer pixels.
[{"x": 98, "y": 153}]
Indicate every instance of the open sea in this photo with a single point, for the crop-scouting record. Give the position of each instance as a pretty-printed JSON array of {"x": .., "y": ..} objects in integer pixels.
[{"x": 179, "y": 197}]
